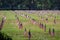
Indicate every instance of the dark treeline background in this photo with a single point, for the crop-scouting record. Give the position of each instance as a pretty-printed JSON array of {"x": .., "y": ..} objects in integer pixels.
[{"x": 30, "y": 4}]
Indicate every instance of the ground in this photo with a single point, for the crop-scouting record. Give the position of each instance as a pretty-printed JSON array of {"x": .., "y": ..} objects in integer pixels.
[{"x": 11, "y": 28}]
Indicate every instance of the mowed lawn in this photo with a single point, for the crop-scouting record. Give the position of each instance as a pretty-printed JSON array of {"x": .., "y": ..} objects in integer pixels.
[{"x": 11, "y": 28}]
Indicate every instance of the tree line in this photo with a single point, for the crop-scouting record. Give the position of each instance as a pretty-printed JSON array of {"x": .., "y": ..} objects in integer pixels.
[{"x": 30, "y": 4}]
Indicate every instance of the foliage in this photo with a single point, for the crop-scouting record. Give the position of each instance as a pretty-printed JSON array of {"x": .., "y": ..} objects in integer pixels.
[
  {"x": 30, "y": 4},
  {"x": 4, "y": 36}
]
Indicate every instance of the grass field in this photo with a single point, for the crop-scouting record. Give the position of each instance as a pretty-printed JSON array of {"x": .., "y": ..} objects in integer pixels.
[{"x": 10, "y": 26}]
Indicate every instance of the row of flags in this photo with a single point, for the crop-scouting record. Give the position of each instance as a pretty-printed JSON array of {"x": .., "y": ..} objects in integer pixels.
[
  {"x": 42, "y": 26},
  {"x": 18, "y": 22},
  {"x": 52, "y": 32},
  {"x": 27, "y": 34}
]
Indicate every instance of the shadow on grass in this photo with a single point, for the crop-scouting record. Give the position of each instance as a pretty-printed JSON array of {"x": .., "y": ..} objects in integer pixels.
[{"x": 4, "y": 36}]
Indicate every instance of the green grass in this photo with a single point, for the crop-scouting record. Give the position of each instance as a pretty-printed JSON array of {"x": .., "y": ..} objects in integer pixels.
[{"x": 11, "y": 28}]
